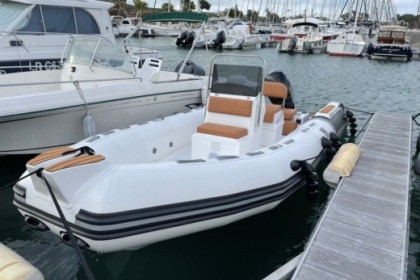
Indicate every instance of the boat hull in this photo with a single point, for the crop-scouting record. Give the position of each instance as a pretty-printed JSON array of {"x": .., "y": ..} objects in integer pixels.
[
  {"x": 113, "y": 206},
  {"x": 29, "y": 126}
]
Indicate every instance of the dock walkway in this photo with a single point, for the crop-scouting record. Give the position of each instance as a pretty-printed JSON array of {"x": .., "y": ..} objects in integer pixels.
[{"x": 363, "y": 233}]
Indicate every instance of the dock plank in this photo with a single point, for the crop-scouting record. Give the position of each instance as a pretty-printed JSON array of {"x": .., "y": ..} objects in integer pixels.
[{"x": 363, "y": 231}]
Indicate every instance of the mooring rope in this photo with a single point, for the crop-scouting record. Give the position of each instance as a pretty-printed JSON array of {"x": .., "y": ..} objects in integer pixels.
[
  {"x": 85, "y": 265},
  {"x": 368, "y": 120},
  {"x": 38, "y": 172},
  {"x": 414, "y": 119}
]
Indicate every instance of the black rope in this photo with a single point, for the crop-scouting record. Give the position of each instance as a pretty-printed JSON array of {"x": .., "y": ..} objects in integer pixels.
[
  {"x": 356, "y": 110},
  {"x": 21, "y": 178},
  {"x": 38, "y": 172},
  {"x": 363, "y": 128},
  {"x": 83, "y": 150},
  {"x": 85, "y": 265},
  {"x": 414, "y": 118}
]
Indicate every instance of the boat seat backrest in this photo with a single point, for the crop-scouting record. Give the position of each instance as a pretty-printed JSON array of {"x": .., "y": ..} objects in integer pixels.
[
  {"x": 229, "y": 116},
  {"x": 150, "y": 69},
  {"x": 231, "y": 106},
  {"x": 274, "y": 90}
]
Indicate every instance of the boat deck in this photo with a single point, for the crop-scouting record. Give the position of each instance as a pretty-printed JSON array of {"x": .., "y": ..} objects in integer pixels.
[{"x": 363, "y": 233}]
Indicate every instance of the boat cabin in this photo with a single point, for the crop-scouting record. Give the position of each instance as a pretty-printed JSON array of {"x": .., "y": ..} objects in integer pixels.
[
  {"x": 392, "y": 35},
  {"x": 33, "y": 34}
]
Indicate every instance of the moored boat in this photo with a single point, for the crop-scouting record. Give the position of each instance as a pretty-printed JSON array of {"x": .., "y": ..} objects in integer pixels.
[
  {"x": 391, "y": 44},
  {"x": 100, "y": 87},
  {"x": 346, "y": 44},
  {"x": 33, "y": 33},
  {"x": 238, "y": 156},
  {"x": 303, "y": 44}
]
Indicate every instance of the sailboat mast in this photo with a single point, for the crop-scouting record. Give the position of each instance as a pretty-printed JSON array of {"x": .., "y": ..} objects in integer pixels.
[{"x": 355, "y": 18}]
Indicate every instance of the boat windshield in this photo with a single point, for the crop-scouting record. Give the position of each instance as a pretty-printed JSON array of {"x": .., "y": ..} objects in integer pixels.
[
  {"x": 237, "y": 79},
  {"x": 9, "y": 11},
  {"x": 99, "y": 52}
]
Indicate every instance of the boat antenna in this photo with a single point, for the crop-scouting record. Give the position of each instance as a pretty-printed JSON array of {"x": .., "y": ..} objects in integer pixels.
[{"x": 189, "y": 53}]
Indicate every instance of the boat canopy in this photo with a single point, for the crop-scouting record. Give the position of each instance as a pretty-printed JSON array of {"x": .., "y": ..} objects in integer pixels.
[{"x": 176, "y": 16}]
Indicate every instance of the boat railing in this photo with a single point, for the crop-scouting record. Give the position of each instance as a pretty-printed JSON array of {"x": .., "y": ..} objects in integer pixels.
[{"x": 68, "y": 82}]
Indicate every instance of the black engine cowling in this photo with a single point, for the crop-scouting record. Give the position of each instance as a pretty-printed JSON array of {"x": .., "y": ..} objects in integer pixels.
[
  {"x": 220, "y": 39},
  {"x": 280, "y": 77},
  {"x": 191, "y": 68}
]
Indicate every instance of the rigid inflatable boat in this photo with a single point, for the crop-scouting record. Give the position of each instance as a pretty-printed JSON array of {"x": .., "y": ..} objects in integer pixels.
[{"x": 237, "y": 156}]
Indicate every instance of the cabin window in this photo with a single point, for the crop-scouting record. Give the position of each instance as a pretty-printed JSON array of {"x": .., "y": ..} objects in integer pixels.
[
  {"x": 32, "y": 23},
  {"x": 86, "y": 24},
  {"x": 59, "y": 19},
  {"x": 54, "y": 19},
  {"x": 384, "y": 34},
  {"x": 9, "y": 11},
  {"x": 398, "y": 35}
]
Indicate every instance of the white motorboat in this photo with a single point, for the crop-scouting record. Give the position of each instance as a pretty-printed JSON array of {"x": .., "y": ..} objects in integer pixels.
[
  {"x": 98, "y": 80},
  {"x": 302, "y": 44},
  {"x": 238, "y": 156},
  {"x": 33, "y": 33}
]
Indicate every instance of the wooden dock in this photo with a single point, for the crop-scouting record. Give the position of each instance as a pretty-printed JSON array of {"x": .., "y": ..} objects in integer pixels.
[{"x": 363, "y": 233}]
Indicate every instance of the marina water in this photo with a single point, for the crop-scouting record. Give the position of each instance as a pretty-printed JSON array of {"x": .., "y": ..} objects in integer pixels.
[{"x": 254, "y": 247}]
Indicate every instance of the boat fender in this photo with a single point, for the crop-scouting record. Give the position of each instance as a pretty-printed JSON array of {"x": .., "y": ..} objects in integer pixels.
[
  {"x": 310, "y": 177},
  {"x": 13, "y": 266},
  {"x": 89, "y": 127},
  {"x": 335, "y": 139},
  {"x": 342, "y": 165},
  {"x": 417, "y": 166},
  {"x": 352, "y": 121},
  {"x": 327, "y": 144}
]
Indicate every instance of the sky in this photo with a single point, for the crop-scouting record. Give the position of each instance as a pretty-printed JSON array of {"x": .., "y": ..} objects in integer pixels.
[{"x": 401, "y": 6}]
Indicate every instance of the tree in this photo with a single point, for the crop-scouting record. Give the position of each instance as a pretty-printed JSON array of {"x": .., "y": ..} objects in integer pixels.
[
  {"x": 234, "y": 12},
  {"x": 140, "y": 6},
  {"x": 164, "y": 7},
  {"x": 252, "y": 15},
  {"x": 204, "y": 5},
  {"x": 409, "y": 19},
  {"x": 188, "y": 6}
]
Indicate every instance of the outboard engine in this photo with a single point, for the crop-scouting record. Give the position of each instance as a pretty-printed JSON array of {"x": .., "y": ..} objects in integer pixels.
[
  {"x": 191, "y": 68},
  {"x": 280, "y": 77},
  {"x": 292, "y": 44},
  {"x": 220, "y": 39},
  {"x": 181, "y": 38},
  {"x": 370, "y": 49},
  {"x": 189, "y": 39}
]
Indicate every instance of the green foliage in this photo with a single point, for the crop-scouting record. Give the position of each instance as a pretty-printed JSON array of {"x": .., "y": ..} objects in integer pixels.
[
  {"x": 411, "y": 19},
  {"x": 204, "y": 5},
  {"x": 252, "y": 15},
  {"x": 164, "y": 7},
  {"x": 234, "y": 12},
  {"x": 140, "y": 6},
  {"x": 188, "y": 6}
]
